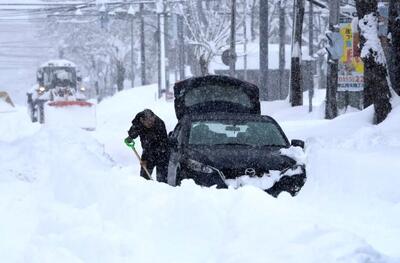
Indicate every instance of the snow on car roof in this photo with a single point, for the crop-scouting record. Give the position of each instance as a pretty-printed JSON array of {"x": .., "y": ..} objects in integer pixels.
[{"x": 58, "y": 63}]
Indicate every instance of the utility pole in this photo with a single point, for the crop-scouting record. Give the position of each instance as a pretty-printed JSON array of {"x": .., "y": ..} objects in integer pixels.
[
  {"x": 181, "y": 47},
  {"x": 162, "y": 52},
  {"x": 132, "y": 59},
  {"x": 157, "y": 37},
  {"x": 282, "y": 42},
  {"x": 263, "y": 77},
  {"x": 310, "y": 28},
  {"x": 161, "y": 28},
  {"x": 245, "y": 39},
  {"x": 232, "y": 40},
  {"x": 142, "y": 46},
  {"x": 166, "y": 58},
  {"x": 131, "y": 13},
  {"x": 296, "y": 91},
  {"x": 310, "y": 53},
  {"x": 332, "y": 78}
]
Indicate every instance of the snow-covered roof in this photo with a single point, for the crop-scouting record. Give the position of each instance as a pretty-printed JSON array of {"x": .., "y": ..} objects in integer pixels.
[{"x": 58, "y": 63}]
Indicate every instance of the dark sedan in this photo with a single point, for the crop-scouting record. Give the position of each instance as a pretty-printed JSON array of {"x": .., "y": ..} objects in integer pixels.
[
  {"x": 222, "y": 139},
  {"x": 233, "y": 150}
]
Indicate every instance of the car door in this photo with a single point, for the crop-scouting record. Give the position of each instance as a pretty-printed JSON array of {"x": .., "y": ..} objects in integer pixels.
[{"x": 175, "y": 139}]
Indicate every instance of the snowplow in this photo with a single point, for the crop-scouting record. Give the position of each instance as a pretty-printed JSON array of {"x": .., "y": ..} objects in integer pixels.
[{"x": 59, "y": 96}]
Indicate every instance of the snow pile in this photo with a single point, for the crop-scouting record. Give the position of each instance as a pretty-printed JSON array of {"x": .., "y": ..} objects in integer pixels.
[
  {"x": 264, "y": 182},
  {"x": 267, "y": 180},
  {"x": 296, "y": 153},
  {"x": 16, "y": 125},
  {"x": 5, "y": 107},
  {"x": 68, "y": 195}
]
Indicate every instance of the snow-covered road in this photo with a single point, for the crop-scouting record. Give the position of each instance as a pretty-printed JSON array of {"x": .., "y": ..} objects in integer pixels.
[{"x": 68, "y": 195}]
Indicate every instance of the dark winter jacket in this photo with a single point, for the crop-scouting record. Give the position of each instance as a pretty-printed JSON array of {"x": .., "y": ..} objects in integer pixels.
[{"x": 154, "y": 140}]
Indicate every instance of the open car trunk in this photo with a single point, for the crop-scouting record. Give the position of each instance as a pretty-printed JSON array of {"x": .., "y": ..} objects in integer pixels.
[{"x": 215, "y": 93}]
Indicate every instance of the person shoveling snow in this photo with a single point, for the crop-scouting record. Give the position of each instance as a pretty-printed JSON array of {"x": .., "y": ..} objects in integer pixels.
[{"x": 153, "y": 137}]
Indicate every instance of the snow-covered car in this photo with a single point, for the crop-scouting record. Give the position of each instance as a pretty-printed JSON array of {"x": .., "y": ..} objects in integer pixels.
[{"x": 222, "y": 139}]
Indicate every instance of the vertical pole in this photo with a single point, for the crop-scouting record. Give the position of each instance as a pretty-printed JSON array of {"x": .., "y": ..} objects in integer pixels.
[
  {"x": 332, "y": 78},
  {"x": 158, "y": 55},
  {"x": 166, "y": 58},
  {"x": 232, "y": 40},
  {"x": 310, "y": 53},
  {"x": 162, "y": 53},
  {"x": 245, "y": 39},
  {"x": 181, "y": 52},
  {"x": 252, "y": 21},
  {"x": 142, "y": 47},
  {"x": 263, "y": 77},
  {"x": 310, "y": 29},
  {"x": 282, "y": 42},
  {"x": 132, "y": 59},
  {"x": 296, "y": 92}
]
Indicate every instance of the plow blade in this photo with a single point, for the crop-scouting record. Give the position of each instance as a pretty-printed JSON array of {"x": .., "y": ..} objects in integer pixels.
[{"x": 81, "y": 114}]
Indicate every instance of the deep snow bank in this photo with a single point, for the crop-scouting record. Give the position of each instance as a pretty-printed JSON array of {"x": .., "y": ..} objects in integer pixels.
[
  {"x": 16, "y": 124},
  {"x": 62, "y": 199},
  {"x": 352, "y": 167},
  {"x": 5, "y": 107}
]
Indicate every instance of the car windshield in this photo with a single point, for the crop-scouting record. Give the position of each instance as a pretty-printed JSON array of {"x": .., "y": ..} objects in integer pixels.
[
  {"x": 213, "y": 93},
  {"x": 251, "y": 133}
]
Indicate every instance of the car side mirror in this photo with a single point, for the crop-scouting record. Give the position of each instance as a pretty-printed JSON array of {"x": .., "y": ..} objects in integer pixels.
[
  {"x": 298, "y": 143},
  {"x": 172, "y": 142}
]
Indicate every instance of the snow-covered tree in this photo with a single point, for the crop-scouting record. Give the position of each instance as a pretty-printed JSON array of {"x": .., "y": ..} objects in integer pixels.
[
  {"x": 394, "y": 37},
  {"x": 208, "y": 28},
  {"x": 99, "y": 42},
  {"x": 376, "y": 89}
]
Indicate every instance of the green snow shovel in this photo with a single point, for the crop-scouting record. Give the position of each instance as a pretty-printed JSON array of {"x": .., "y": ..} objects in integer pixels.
[{"x": 131, "y": 144}]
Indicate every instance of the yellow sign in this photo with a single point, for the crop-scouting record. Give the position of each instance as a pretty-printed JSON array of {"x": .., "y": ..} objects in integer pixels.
[{"x": 351, "y": 67}]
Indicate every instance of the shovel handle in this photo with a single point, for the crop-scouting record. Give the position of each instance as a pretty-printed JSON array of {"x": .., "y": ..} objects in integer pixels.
[
  {"x": 144, "y": 167},
  {"x": 131, "y": 144}
]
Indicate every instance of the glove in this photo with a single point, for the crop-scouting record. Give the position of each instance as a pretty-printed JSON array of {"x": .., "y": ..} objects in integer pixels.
[{"x": 129, "y": 142}]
